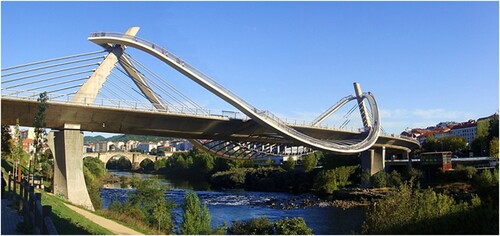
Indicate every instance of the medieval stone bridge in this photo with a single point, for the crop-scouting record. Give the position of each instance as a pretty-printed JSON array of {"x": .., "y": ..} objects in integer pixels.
[{"x": 136, "y": 158}]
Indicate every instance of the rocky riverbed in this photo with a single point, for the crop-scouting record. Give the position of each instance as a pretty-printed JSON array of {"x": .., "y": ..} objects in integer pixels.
[{"x": 346, "y": 198}]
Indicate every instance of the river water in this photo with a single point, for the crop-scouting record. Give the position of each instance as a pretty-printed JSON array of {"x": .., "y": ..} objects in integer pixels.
[{"x": 234, "y": 205}]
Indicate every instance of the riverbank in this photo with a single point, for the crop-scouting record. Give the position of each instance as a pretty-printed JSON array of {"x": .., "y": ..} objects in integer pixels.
[{"x": 230, "y": 205}]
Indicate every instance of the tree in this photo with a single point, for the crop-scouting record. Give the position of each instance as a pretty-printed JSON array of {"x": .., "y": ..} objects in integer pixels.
[
  {"x": 39, "y": 124},
  {"x": 6, "y": 140},
  {"x": 292, "y": 226},
  {"x": 452, "y": 143},
  {"x": 493, "y": 127},
  {"x": 289, "y": 164},
  {"x": 494, "y": 147},
  {"x": 479, "y": 145},
  {"x": 196, "y": 218},
  {"x": 309, "y": 162},
  {"x": 160, "y": 213},
  {"x": 430, "y": 144}
]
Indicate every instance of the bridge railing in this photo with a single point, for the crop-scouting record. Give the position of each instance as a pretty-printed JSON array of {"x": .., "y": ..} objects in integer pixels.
[
  {"x": 123, "y": 104},
  {"x": 147, "y": 106}
]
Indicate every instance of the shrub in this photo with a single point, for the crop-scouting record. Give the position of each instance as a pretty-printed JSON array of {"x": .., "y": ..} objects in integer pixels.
[
  {"x": 327, "y": 181},
  {"x": 409, "y": 211},
  {"x": 255, "y": 226},
  {"x": 292, "y": 226},
  {"x": 289, "y": 165},
  {"x": 262, "y": 226},
  {"x": 309, "y": 162},
  {"x": 379, "y": 180},
  {"x": 234, "y": 178},
  {"x": 394, "y": 179},
  {"x": 115, "y": 206}
]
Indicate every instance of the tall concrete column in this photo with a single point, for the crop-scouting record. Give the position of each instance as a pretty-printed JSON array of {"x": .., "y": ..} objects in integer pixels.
[
  {"x": 69, "y": 182},
  {"x": 383, "y": 158},
  {"x": 361, "y": 104},
  {"x": 372, "y": 161}
]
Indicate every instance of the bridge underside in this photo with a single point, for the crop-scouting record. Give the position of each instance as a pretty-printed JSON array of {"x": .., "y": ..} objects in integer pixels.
[{"x": 115, "y": 120}]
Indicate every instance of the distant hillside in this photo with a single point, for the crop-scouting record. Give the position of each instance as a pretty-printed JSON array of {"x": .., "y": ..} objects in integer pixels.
[{"x": 123, "y": 138}]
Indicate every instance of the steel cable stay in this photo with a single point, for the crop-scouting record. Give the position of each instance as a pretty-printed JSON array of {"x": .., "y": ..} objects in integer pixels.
[
  {"x": 154, "y": 92},
  {"x": 123, "y": 81},
  {"x": 54, "y": 59},
  {"x": 121, "y": 89},
  {"x": 53, "y": 65},
  {"x": 167, "y": 84},
  {"x": 49, "y": 72},
  {"x": 58, "y": 90},
  {"x": 147, "y": 79},
  {"x": 47, "y": 79},
  {"x": 54, "y": 84}
]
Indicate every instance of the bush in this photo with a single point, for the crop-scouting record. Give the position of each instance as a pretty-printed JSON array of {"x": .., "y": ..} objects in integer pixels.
[
  {"x": 262, "y": 226},
  {"x": 327, "y": 181},
  {"x": 93, "y": 172},
  {"x": 292, "y": 226},
  {"x": 289, "y": 165},
  {"x": 309, "y": 162},
  {"x": 409, "y": 211},
  {"x": 234, "y": 178},
  {"x": 379, "y": 180},
  {"x": 394, "y": 179},
  {"x": 255, "y": 226}
]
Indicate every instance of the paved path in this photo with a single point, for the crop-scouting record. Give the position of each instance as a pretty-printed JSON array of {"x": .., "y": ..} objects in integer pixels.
[
  {"x": 10, "y": 218},
  {"x": 108, "y": 224}
]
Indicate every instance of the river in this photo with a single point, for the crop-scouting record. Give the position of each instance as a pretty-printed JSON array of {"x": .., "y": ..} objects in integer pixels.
[{"x": 232, "y": 205}]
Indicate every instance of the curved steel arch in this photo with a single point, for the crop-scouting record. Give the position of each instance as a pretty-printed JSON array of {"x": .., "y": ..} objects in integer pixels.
[{"x": 264, "y": 118}]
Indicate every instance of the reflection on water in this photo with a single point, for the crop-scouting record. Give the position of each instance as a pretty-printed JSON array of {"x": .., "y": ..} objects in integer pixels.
[{"x": 232, "y": 205}]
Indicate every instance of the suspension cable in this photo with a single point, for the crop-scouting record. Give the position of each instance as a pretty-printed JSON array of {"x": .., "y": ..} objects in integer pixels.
[
  {"x": 155, "y": 84},
  {"x": 55, "y": 59},
  {"x": 62, "y": 89},
  {"x": 166, "y": 83},
  {"x": 49, "y": 72},
  {"x": 53, "y": 65},
  {"x": 54, "y": 84},
  {"x": 47, "y": 79}
]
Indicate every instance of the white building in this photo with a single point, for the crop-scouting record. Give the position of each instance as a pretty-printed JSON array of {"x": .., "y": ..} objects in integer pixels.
[
  {"x": 146, "y": 147},
  {"x": 465, "y": 130},
  {"x": 131, "y": 144}
]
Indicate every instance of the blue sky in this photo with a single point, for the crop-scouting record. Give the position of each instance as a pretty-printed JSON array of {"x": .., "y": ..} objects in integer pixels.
[{"x": 425, "y": 62}]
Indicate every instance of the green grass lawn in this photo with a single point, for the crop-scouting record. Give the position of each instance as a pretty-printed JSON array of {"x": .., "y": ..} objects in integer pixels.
[{"x": 69, "y": 222}]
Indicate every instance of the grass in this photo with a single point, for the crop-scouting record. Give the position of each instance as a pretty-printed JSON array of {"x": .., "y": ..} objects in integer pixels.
[
  {"x": 132, "y": 223},
  {"x": 69, "y": 222}
]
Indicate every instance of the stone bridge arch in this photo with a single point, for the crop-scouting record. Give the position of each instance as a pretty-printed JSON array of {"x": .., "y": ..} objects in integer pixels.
[{"x": 134, "y": 157}]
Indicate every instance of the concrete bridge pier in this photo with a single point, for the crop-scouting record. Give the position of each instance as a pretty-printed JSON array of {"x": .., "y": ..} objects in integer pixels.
[
  {"x": 373, "y": 160},
  {"x": 67, "y": 148}
]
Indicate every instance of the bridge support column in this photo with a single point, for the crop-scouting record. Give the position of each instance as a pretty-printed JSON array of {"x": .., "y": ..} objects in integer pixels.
[
  {"x": 67, "y": 147},
  {"x": 373, "y": 161},
  {"x": 135, "y": 163}
]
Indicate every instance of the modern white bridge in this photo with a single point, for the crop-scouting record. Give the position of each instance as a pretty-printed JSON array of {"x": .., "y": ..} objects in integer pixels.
[{"x": 247, "y": 134}]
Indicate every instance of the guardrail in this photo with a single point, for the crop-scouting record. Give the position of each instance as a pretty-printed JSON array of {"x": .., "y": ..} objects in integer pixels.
[
  {"x": 147, "y": 106},
  {"x": 35, "y": 216}
]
